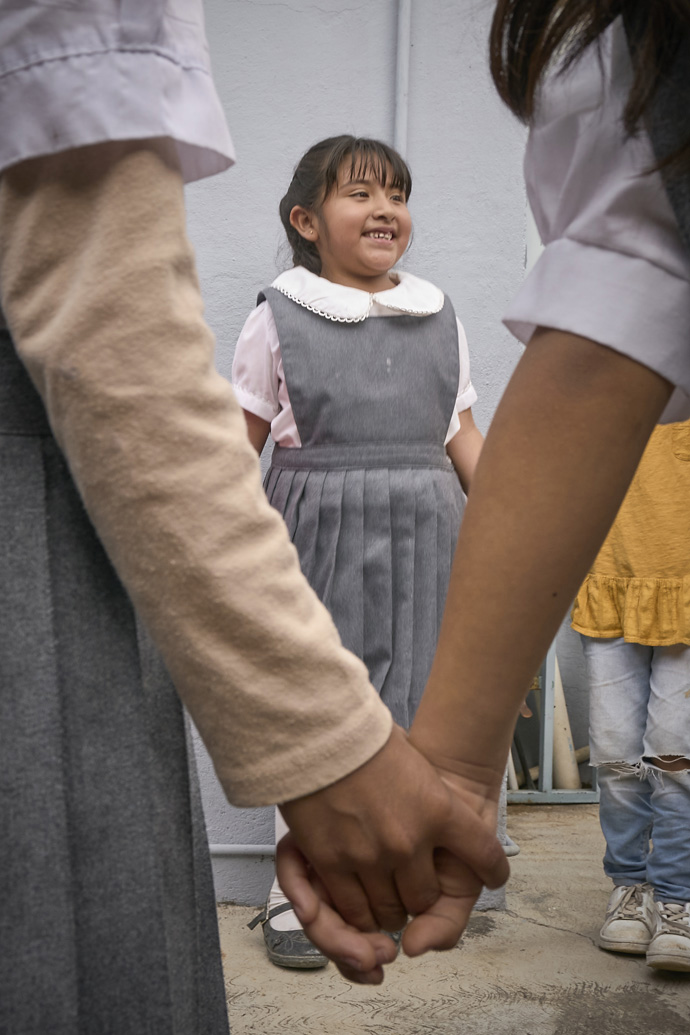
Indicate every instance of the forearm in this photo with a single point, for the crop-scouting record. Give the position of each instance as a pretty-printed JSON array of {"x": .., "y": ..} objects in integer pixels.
[
  {"x": 465, "y": 448},
  {"x": 561, "y": 451},
  {"x": 100, "y": 292},
  {"x": 257, "y": 429}
]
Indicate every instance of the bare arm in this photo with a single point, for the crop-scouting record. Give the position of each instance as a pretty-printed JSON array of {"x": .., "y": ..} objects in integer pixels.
[
  {"x": 257, "y": 430},
  {"x": 464, "y": 449},
  {"x": 562, "y": 449},
  {"x": 559, "y": 456}
]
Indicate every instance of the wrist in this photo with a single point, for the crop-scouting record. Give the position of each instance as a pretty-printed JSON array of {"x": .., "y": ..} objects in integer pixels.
[{"x": 477, "y": 763}]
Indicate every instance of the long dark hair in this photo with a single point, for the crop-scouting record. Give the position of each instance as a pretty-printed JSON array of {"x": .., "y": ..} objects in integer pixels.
[
  {"x": 528, "y": 36},
  {"x": 316, "y": 174}
]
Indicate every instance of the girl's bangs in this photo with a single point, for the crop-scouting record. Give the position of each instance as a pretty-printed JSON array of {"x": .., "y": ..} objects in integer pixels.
[{"x": 369, "y": 158}]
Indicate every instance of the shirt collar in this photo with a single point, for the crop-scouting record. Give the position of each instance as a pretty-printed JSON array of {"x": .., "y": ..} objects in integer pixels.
[{"x": 410, "y": 295}]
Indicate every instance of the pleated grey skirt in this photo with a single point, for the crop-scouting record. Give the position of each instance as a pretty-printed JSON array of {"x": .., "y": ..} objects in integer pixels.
[
  {"x": 107, "y": 919},
  {"x": 375, "y": 527}
]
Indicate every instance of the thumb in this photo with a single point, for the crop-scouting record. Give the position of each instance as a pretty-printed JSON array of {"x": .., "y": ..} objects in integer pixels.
[
  {"x": 440, "y": 927},
  {"x": 472, "y": 838}
]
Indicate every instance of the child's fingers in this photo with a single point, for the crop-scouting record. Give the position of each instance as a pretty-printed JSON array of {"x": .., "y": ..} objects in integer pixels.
[
  {"x": 456, "y": 878},
  {"x": 350, "y": 899},
  {"x": 383, "y": 893},
  {"x": 359, "y": 956},
  {"x": 440, "y": 927},
  {"x": 418, "y": 885},
  {"x": 292, "y": 870},
  {"x": 471, "y": 838},
  {"x": 373, "y": 977}
]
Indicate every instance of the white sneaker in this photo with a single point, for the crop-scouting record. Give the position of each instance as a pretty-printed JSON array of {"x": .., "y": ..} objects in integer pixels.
[
  {"x": 669, "y": 948},
  {"x": 629, "y": 920}
]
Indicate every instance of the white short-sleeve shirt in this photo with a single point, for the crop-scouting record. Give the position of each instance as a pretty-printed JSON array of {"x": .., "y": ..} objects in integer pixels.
[
  {"x": 614, "y": 268},
  {"x": 257, "y": 370},
  {"x": 80, "y": 72}
]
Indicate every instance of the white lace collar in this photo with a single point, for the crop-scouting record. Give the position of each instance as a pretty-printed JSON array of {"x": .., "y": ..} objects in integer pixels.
[{"x": 351, "y": 305}]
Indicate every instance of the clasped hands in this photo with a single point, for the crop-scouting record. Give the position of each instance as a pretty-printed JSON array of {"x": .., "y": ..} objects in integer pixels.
[{"x": 399, "y": 837}]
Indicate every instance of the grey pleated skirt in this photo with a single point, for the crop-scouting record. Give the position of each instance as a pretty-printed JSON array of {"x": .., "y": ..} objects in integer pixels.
[
  {"x": 375, "y": 528},
  {"x": 107, "y": 921}
]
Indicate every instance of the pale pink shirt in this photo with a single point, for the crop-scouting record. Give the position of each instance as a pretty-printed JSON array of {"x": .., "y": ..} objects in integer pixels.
[{"x": 257, "y": 370}]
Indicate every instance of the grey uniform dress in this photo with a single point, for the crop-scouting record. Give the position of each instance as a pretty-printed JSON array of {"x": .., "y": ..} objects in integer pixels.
[
  {"x": 371, "y": 500},
  {"x": 107, "y": 914}
]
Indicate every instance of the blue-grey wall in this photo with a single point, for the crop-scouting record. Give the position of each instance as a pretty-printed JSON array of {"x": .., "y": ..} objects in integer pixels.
[{"x": 291, "y": 73}]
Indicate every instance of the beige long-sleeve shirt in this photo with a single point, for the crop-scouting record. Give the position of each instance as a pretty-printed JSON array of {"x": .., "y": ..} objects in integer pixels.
[{"x": 98, "y": 285}]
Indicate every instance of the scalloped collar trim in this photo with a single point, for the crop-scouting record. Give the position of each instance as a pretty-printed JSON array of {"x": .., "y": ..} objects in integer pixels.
[{"x": 411, "y": 295}]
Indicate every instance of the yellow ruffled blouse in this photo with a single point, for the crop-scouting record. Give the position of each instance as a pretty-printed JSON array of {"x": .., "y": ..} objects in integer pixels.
[{"x": 639, "y": 585}]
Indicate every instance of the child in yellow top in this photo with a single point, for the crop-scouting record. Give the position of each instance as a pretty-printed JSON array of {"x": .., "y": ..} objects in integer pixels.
[{"x": 633, "y": 612}]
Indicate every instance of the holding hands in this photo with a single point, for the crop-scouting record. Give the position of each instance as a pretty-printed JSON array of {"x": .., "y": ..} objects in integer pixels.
[{"x": 398, "y": 837}]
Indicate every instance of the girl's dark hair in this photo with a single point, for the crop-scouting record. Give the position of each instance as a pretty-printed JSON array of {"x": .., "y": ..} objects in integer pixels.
[
  {"x": 527, "y": 36},
  {"x": 316, "y": 175}
]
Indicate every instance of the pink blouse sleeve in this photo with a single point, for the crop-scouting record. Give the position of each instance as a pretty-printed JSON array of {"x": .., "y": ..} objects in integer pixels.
[
  {"x": 467, "y": 395},
  {"x": 255, "y": 377}
]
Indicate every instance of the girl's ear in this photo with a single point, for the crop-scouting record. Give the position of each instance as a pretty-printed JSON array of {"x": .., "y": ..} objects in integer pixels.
[{"x": 304, "y": 223}]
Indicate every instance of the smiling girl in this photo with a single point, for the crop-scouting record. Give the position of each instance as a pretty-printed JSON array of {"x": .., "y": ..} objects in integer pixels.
[{"x": 360, "y": 374}]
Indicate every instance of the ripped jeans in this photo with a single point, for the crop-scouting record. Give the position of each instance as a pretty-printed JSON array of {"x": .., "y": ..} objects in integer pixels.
[{"x": 639, "y": 710}]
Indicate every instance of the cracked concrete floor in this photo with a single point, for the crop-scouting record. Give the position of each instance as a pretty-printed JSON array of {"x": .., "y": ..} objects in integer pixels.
[{"x": 534, "y": 970}]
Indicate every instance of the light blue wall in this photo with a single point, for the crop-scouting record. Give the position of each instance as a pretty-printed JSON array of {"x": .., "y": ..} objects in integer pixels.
[{"x": 291, "y": 73}]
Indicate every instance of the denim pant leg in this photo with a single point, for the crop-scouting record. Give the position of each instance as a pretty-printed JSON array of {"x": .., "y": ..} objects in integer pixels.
[
  {"x": 619, "y": 689},
  {"x": 668, "y": 733}
]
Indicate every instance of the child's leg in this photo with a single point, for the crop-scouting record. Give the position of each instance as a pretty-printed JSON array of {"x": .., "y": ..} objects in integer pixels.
[
  {"x": 619, "y": 678},
  {"x": 666, "y": 751},
  {"x": 667, "y": 738}
]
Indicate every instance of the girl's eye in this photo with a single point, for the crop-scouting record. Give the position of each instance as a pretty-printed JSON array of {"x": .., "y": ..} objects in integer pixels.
[
  {"x": 398, "y": 197},
  {"x": 359, "y": 194}
]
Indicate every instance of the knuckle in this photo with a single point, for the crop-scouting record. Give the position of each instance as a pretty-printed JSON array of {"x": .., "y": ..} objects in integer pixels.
[
  {"x": 402, "y": 847},
  {"x": 355, "y": 914},
  {"x": 423, "y": 900},
  {"x": 391, "y": 909}
]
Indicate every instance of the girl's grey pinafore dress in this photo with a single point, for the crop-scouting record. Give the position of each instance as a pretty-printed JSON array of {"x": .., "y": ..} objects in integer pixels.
[
  {"x": 371, "y": 500},
  {"x": 107, "y": 912}
]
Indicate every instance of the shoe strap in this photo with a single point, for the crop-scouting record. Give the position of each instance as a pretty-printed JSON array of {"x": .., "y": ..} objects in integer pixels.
[{"x": 265, "y": 914}]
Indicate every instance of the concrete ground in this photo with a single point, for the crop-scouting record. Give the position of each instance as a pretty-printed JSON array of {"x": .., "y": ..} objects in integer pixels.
[{"x": 533, "y": 970}]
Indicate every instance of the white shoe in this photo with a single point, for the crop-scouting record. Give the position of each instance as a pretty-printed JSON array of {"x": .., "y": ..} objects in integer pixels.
[
  {"x": 510, "y": 847},
  {"x": 629, "y": 920},
  {"x": 669, "y": 948}
]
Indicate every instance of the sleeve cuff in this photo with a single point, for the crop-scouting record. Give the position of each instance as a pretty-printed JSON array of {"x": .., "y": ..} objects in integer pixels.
[
  {"x": 466, "y": 398},
  {"x": 621, "y": 301},
  {"x": 319, "y": 761},
  {"x": 254, "y": 403}
]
